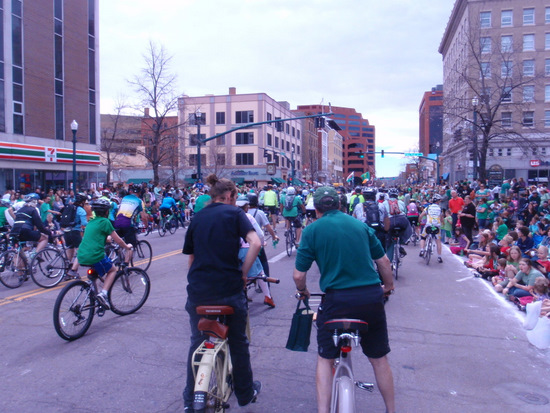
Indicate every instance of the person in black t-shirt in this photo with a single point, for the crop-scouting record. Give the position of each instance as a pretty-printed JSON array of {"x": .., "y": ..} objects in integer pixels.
[{"x": 212, "y": 242}]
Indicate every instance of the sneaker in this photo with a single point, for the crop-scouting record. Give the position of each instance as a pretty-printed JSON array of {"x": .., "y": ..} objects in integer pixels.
[
  {"x": 439, "y": 260},
  {"x": 103, "y": 300},
  {"x": 402, "y": 252},
  {"x": 421, "y": 253},
  {"x": 269, "y": 302},
  {"x": 257, "y": 386},
  {"x": 72, "y": 275}
]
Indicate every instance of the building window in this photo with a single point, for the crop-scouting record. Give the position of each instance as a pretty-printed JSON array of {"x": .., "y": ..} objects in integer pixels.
[
  {"x": 506, "y": 120},
  {"x": 91, "y": 71},
  {"x": 491, "y": 152},
  {"x": 547, "y": 118},
  {"x": 485, "y": 19},
  {"x": 269, "y": 116},
  {"x": 220, "y": 159},
  {"x": 193, "y": 139},
  {"x": 220, "y": 140},
  {"x": 293, "y": 131},
  {"x": 58, "y": 71},
  {"x": 547, "y": 67},
  {"x": 485, "y": 70},
  {"x": 534, "y": 151},
  {"x": 276, "y": 142},
  {"x": 506, "y": 44},
  {"x": 287, "y": 129},
  {"x": 245, "y": 159},
  {"x": 244, "y": 138},
  {"x": 508, "y": 151},
  {"x": 269, "y": 139},
  {"x": 499, "y": 152},
  {"x": 528, "y": 17},
  {"x": 528, "y": 119},
  {"x": 245, "y": 116},
  {"x": 528, "y": 42},
  {"x": 288, "y": 146},
  {"x": 528, "y": 68},
  {"x": 485, "y": 46},
  {"x": 547, "y": 15},
  {"x": 529, "y": 93},
  {"x": 543, "y": 151},
  {"x": 506, "y": 18},
  {"x": 506, "y": 69},
  {"x": 220, "y": 118},
  {"x": 547, "y": 41},
  {"x": 193, "y": 159},
  {"x": 17, "y": 66},
  {"x": 547, "y": 93}
]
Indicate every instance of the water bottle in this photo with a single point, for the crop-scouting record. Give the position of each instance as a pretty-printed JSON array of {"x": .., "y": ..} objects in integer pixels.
[{"x": 275, "y": 242}]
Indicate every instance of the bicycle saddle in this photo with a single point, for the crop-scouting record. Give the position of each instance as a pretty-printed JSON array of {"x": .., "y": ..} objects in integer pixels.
[
  {"x": 347, "y": 324},
  {"x": 215, "y": 310}
]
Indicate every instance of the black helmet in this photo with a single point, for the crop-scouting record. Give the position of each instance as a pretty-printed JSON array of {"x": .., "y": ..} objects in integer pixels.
[
  {"x": 393, "y": 192},
  {"x": 436, "y": 198},
  {"x": 101, "y": 205},
  {"x": 80, "y": 199},
  {"x": 253, "y": 200},
  {"x": 369, "y": 193}
]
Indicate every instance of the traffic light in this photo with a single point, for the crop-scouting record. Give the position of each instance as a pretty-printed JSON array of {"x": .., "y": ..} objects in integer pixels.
[
  {"x": 290, "y": 180},
  {"x": 361, "y": 155},
  {"x": 265, "y": 153},
  {"x": 382, "y": 153},
  {"x": 320, "y": 122}
]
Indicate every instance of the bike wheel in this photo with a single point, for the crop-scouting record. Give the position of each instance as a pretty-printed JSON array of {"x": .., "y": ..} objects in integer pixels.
[
  {"x": 129, "y": 291},
  {"x": 74, "y": 310},
  {"x": 414, "y": 237},
  {"x": 289, "y": 242},
  {"x": 48, "y": 268},
  {"x": 142, "y": 256},
  {"x": 395, "y": 262},
  {"x": 428, "y": 253},
  {"x": 162, "y": 228},
  {"x": 13, "y": 269},
  {"x": 214, "y": 400},
  {"x": 173, "y": 225},
  {"x": 344, "y": 397}
]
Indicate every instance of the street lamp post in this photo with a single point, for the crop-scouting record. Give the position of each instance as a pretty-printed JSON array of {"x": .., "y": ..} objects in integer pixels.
[
  {"x": 475, "y": 102},
  {"x": 198, "y": 120},
  {"x": 74, "y": 128}
]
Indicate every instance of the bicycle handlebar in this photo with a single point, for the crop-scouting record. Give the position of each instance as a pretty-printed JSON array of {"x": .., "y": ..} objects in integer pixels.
[{"x": 263, "y": 278}]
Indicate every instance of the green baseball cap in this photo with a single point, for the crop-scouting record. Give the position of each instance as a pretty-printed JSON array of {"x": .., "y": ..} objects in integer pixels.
[{"x": 323, "y": 192}]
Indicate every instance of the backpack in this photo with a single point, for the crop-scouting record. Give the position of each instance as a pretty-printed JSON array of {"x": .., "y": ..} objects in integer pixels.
[
  {"x": 372, "y": 214},
  {"x": 68, "y": 216},
  {"x": 394, "y": 206},
  {"x": 354, "y": 204},
  {"x": 289, "y": 202},
  {"x": 412, "y": 209}
]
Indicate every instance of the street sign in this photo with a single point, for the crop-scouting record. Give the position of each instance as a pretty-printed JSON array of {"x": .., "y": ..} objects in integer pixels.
[{"x": 413, "y": 154}]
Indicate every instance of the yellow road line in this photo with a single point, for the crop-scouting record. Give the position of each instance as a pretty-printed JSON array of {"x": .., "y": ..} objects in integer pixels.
[{"x": 21, "y": 296}]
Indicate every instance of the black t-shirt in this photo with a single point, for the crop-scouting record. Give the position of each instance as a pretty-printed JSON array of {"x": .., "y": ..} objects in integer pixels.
[
  {"x": 214, "y": 237},
  {"x": 468, "y": 221}
]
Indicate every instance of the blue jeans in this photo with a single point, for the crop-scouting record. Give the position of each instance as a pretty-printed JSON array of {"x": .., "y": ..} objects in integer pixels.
[
  {"x": 238, "y": 347},
  {"x": 518, "y": 292}
]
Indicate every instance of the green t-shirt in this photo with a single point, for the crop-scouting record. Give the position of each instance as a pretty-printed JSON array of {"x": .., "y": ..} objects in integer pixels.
[
  {"x": 293, "y": 212},
  {"x": 502, "y": 231},
  {"x": 92, "y": 247},
  {"x": 44, "y": 208},
  {"x": 3, "y": 220},
  {"x": 343, "y": 248},
  {"x": 485, "y": 213},
  {"x": 528, "y": 279},
  {"x": 201, "y": 202}
]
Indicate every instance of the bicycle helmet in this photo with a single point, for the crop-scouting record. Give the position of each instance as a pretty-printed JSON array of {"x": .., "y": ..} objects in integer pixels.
[
  {"x": 436, "y": 198},
  {"x": 5, "y": 203},
  {"x": 101, "y": 205},
  {"x": 80, "y": 199},
  {"x": 291, "y": 190},
  {"x": 253, "y": 200},
  {"x": 242, "y": 200},
  {"x": 393, "y": 192},
  {"x": 369, "y": 193},
  {"x": 31, "y": 197}
]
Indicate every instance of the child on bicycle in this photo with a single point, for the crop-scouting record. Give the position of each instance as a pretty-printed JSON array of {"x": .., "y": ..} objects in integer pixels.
[
  {"x": 433, "y": 216},
  {"x": 92, "y": 248}
]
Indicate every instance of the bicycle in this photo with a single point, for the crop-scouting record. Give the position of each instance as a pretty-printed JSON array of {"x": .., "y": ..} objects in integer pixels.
[
  {"x": 346, "y": 331},
  {"x": 50, "y": 265},
  {"x": 211, "y": 361},
  {"x": 252, "y": 283},
  {"x": 395, "y": 256},
  {"x": 290, "y": 237},
  {"x": 168, "y": 223},
  {"x": 77, "y": 304},
  {"x": 142, "y": 250},
  {"x": 431, "y": 240},
  {"x": 414, "y": 237},
  {"x": 14, "y": 263}
]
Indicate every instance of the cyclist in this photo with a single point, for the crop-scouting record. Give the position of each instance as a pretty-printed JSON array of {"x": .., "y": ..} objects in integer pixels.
[
  {"x": 212, "y": 242},
  {"x": 168, "y": 205},
  {"x": 26, "y": 219},
  {"x": 356, "y": 199},
  {"x": 73, "y": 234},
  {"x": 92, "y": 248},
  {"x": 310, "y": 208},
  {"x": 6, "y": 212},
  {"x": 271, "y": 203},
  {"x": 130, "y": 206},
  {"x": 373, "y": 214},
  {"x": 396, "y": 211},
  {"x": 344, "y": 250},
  {"x": 291, "y": 206},
  {"x": 434, "y": 217},
  {"x": 412, "y": 216},
  {"x": 263, "y": 222}
]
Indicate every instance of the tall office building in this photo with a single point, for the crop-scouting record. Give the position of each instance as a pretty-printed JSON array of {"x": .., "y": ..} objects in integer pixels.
[
  {"x": 49, "y": 76},
  {"x": 496, "y": 68},
  {"x": 431, "y": 129},
  {"x": 359, "y": 137}
]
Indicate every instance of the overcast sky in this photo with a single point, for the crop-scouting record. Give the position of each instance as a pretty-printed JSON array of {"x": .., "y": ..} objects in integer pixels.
[{"x": 378, "y": 57}]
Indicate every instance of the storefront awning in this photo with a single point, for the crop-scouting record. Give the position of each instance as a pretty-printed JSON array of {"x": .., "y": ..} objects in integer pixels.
[
  {"x": 238, "y": 181},
  {"x": 298, "y": 182},
  {"x": 189, "y": 181},
  {"x": 278, "y": 180},
  {"x": 445, "y": 176},
  {"x": 137, "y": 180}
]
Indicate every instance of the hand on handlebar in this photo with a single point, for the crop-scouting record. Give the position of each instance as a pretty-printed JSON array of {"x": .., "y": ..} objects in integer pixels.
[{"x": 302, "y": 295}]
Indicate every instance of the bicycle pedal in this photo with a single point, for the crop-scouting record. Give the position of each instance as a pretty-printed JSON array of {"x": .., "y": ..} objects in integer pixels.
[
  {"x": 365, "y": 386},
  {"x": 100, "y": 312}
]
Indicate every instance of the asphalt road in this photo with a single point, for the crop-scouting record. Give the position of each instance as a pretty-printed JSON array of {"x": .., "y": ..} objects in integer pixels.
[{"x": 456, "y": 347}]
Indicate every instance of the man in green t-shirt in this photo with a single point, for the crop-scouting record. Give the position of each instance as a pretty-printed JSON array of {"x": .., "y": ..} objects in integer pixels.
[
  {"x": 291, "y": 206},
  {"x": 92, "y": 248}
]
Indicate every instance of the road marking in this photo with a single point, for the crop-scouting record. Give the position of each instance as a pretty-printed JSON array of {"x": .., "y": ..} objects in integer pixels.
[{"x": 277, "y": 257}]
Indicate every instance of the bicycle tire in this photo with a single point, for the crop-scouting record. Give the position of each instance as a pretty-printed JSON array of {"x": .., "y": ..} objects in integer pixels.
[
  {"x": 142, "y": 256},
  {"x": 162, "y": 227},
  {"x": 173, "y": 225},
  {"x": 214, "y": 398},
  {"x": 129, "y": 291},
  {"x": 13, "y": 269},
  {"x": 345, "y": 395},
  {"x": 395, "y": 263},
  {"x": 74, "y": 310},
  {"x": 428, "y": 253},
  {"x": 414, "y": 237},
  {"x": 289, "y": 242},
  {"x": 48, "y": 267}
]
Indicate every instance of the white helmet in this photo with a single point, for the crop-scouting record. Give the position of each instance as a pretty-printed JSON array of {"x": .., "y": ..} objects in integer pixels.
[{"x": 291, "y": 190}]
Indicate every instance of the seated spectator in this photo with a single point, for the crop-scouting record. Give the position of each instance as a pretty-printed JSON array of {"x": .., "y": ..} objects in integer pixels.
[
  {"x": 490, "y": 263},
  {"x": 514, "y": 236},
  {"x": 505, "y": 245},
  {"x": 460, "y": 243},
  {"x": 539, "y": 232},
  {"x": 525, "y": 241},
  {"x": 512, "y": 267},
  {"x": 522, "y": 284},
  {"x": 539, "y": 293},
  {"x": 475, "y": 256},
  {"x": 500, "y": 279},
  {"x": 500, "y": 228},
  {"x": 541, "y": 262}
]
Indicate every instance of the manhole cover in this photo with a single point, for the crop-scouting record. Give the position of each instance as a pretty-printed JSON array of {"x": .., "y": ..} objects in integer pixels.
[{"x": 532, "y": 398}]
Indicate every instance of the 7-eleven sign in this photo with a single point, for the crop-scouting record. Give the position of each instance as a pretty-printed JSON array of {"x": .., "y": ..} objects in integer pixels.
[{"x": 51, "y": 154}]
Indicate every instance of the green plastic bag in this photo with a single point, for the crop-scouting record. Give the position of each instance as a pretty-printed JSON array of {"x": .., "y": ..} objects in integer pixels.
[{"x": 300, "y": 329}]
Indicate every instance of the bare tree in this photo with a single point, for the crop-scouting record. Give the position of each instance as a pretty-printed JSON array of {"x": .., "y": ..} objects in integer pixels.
[
  {"x": 217, "y": 159},
  {"x": 156, "y": 86},
  {"x": 495, "y": 77}
]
